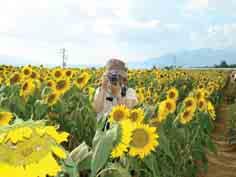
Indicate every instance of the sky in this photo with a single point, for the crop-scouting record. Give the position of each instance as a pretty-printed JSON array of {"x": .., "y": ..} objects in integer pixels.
[{"x": 94, "y": 31}]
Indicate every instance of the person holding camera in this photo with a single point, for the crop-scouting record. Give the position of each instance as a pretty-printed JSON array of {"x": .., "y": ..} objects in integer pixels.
[{"x": 113, "y": 90}]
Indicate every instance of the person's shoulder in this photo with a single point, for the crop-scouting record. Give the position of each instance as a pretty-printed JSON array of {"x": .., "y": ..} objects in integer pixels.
[{"x": 131, "y": 91}]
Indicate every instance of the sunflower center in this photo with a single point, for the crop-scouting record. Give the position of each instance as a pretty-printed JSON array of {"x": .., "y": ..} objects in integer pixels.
[
  {"x": 172, "y": 95},
  {"x": 58, "y": 74},
  {"x": 68, "y": 73},
  {"x": 49, "y": 84},
  {"x": 118, "y": 115},
  {"x": 186, "y": 114},
  {"x": 188, "y": 103},
  {"x": 61, "y": 85},
  {"x": 15, "y": 79},
  {"x": 199, "y": 95},
  {"x": 80, "y": 80},
  {"x": 51, "y": 98},
  {"x": 25, "y": 152},
  {"x": 25, "y": 86},
  {"x": 33, "y": 75},
  {"x": 201, "y": 104},
  {"x": 26, "y": 72},
  {"x": 168, "y": 106},
  {"x": 140, "y": 138},
  {"x": 134, "y": 116}
]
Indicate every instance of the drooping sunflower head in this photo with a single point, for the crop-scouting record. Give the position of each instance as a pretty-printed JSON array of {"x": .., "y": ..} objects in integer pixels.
[
  {"x": 124, "y": 138},
  {"x": 34, "y": 75},
  {"x": 15, "y": 78},
  {"x": 118, "y": 114},
  {"x": 82, "y": 80},
  {"x": 173, "y": 94},
  {"x": 202, "y": 104},
  {"x": 28, "y": 148},
  {"x": 186, "y": 116},
  {"x": 136, "y": 115},
  {"x": 5, "y": 118},
  {"x": 51, "y": 84},
  {"x": 62, "y": 86},
  {"x": 52, "y": 98},
  {"x": 190, "y": 103},
  {"x": 144, "y": 140},
  {"x": 27, "y": 71},
  {"x": 199, "y": 94},
  {"x": 27, "y": 88}
]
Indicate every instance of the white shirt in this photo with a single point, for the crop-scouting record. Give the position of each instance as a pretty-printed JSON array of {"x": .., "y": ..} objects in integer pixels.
[{"x": 108, "y": 105}]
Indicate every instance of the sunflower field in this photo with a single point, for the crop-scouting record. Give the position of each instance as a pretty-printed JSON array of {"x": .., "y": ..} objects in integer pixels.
[{"x": 48, "y": 126}]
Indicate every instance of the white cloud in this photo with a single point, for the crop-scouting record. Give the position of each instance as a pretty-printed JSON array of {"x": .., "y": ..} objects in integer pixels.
[
  {"x": 216, "y": 36},
  {"x": 197, "y": 4},
  {"x": 227, "y": 6},
  {"x": 36, "y": 30}
]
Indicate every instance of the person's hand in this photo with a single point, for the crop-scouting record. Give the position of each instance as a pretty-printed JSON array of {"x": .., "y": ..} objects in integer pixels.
[
  {"x": 116, "y": 90},
  {"x": 105, "y": 84}
]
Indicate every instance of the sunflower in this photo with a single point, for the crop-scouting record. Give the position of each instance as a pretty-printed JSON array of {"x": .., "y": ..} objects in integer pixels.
[
  {"x": 68, "y": 73},
  {"x": 5, "y": 118},
  {"x": 62, "y": 86},
  {"x": 211, "y": 110},
  {"x": 169, "y": 105},
  {"x": 27, "y": 88},
  {"x": 190, "y": 103},
  {"x": 58, "y": 74},
  {"x": 119, "y": 113},
  {"x": 144, "y": 140},
  {"x": 125, "y": 132},
  {"x": 136, "y": 115},
  {"x": 165, "y": 108},
  {"x": 15, "y": 78},
  {"x": 51, "y": 84},
  {"x": 52, "y": 98},
  {"x": 202, "y": 105},
  {"x": 82, "y": 80},
  {"x": 186, "y": 116},
  {"x": 27, "y": 71},
  {"x": 34, "y": 75},
  {"x": 27, "y": 149},
  {"x": 199, "y": 94},
  {"x": 173, "y": 94}
]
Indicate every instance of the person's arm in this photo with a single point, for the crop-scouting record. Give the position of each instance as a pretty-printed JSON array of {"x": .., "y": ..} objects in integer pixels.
[{"x": 98, "y": 103}]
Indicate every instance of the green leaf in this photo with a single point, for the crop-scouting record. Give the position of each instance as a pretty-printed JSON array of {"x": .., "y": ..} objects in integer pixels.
[
  {"x": 103, "y": 150},
  {"x": 40, "y": 109},
  {"x": 115, "y": 170},
  {"x": 71, "y": 168},
  {"x": 80, "y": 153}
]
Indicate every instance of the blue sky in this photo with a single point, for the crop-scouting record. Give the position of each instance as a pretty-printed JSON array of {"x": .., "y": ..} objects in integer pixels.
[{"x": 95, "y": 30}]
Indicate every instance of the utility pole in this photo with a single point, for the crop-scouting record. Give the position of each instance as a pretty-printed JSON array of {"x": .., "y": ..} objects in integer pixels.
[{"x": 64, "y": 57}]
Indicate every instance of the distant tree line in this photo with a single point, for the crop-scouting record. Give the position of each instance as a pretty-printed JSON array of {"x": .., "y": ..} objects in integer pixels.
[{"x": 224, "y": 64}]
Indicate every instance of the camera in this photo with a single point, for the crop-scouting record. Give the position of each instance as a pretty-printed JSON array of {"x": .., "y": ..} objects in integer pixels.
[{"x": 114, "y": 78}]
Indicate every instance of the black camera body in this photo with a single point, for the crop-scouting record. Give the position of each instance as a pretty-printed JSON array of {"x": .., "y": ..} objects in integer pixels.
[{"x": 115, "y": 79}]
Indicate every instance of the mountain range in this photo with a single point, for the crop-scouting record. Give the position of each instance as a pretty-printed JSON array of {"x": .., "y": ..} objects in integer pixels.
[{"x": 188, "y": 58}]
